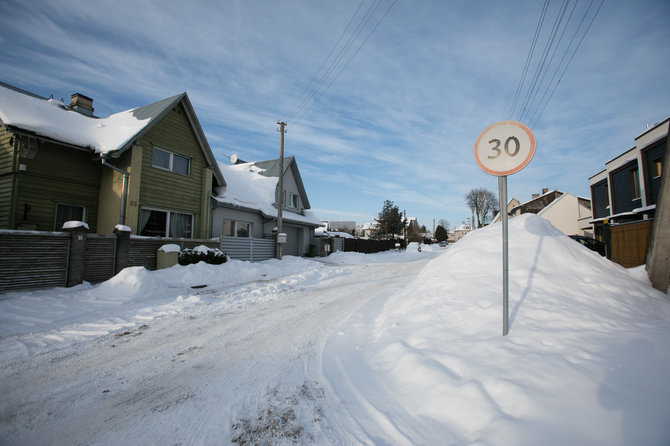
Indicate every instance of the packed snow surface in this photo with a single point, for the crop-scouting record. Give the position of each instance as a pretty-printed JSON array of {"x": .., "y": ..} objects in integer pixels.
[{"x": 390, "y": 348}]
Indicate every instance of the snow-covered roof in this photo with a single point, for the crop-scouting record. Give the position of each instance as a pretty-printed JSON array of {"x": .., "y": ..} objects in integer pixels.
[
  {"x": 249, "y": 187},
  {"x": 322, "y": 231},
  {"x": 53, "y": 120}
]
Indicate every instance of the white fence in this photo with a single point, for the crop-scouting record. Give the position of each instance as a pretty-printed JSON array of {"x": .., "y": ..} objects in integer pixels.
[{"x": 248, "y": 248}]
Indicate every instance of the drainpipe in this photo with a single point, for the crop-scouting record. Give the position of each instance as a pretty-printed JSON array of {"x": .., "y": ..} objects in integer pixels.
[{"x": 124, "y": 188}]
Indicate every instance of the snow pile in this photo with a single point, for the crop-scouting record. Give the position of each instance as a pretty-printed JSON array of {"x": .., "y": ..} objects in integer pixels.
[
  {"x": 348, "y": 349},
  {"x": 585, "y": 361}
]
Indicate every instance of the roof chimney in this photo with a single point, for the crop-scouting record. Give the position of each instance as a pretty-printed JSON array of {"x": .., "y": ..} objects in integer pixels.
[
  {"x": 536, "y": 196},
  {"x": 82, "y": 104},
  {"x": 544, "y": 190}
]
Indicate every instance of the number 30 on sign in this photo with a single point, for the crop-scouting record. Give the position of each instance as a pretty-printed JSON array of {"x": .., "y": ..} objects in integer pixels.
[{"x": 504, "y": 148}]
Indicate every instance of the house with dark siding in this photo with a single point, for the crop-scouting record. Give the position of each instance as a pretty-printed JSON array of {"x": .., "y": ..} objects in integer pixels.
[
  {"x": 627, "y": 189},
  {"x": 149, "y": 168}
]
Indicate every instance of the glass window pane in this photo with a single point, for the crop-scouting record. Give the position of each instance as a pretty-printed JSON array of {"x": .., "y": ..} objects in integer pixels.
[
  {"x": 228, "y": 228},
  {"x": 160, "y": 158},
  {"x": 66, "y": 212},
  {"x": 155, "y": 223},
  {"x": 242, "y": 229},
  {"x": 180, "y": 164},
  {"x": 180, "y": 225}
]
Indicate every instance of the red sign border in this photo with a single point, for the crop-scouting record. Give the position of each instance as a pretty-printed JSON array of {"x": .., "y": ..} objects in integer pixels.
[{"x": 523, "y": 164}]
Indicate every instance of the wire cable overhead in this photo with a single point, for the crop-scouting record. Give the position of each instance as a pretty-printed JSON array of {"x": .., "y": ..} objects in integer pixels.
[
  {"x": 538, "y": 90},
  {"x": 339, "y": 57}
]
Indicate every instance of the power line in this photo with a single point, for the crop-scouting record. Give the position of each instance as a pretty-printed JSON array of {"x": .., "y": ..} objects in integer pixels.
[
  {"x": 540, "y": 67},
  {"x": 528, "y": 59},
  {"x": 569, "y": 61},
  {"x": 539, "y": 92},
  {"x": 317, "y": 85},
  {"x": 321, "y": 93},
  {"x": 332, "y": 50}
]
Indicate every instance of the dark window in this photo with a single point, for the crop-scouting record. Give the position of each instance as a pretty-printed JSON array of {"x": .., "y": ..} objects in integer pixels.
[
  {"x": 156, "y": 223},
  {"x": 161, "y": 159},
  {"x": 170, "y": 161},
  {"x": 68, "y": 212},
  {"x": 601, "y": 200},
  {"x": 623, "y": 190},
  {"x": 654, "y": 159},
  {"x": 635, "y": 183}
]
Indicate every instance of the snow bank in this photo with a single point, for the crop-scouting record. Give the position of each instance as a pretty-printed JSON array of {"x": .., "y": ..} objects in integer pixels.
[{"x": 585, "y": 361}]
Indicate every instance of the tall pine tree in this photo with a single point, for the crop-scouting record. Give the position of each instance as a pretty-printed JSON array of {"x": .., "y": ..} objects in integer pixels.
[{"x": 389, "y": 221}]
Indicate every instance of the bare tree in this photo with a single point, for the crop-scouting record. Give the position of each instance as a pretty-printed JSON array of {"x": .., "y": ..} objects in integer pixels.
[
  {"x": 444, "y": 223},
  {"x": 482, "y": 202}
]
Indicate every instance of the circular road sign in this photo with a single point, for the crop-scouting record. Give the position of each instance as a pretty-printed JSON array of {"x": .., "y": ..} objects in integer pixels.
[{"x": 504, "y": 148}]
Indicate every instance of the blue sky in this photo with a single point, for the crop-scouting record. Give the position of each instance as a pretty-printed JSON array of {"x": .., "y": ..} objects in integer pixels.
[{"x": 400, "y": 120}]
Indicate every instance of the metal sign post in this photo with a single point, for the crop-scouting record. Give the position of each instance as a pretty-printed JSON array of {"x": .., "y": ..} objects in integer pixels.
[
  {"x": 502, "y": 149},
  {"x": 502, "y": 194}
]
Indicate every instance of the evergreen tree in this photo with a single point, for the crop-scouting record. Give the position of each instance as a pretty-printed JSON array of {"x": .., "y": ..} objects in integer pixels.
[
  {"x": 389, "y": 221},
  {"x": 440, "y": 233}
]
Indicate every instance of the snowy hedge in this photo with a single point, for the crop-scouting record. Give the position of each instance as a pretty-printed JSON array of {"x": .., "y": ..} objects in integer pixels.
[{"x": 213, "y": 256}]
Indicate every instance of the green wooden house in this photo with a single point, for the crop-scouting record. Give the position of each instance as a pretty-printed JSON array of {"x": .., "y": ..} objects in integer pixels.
[{"x": 149, "y": 168}]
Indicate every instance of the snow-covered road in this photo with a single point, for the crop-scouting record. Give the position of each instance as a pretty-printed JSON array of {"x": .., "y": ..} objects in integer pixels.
[
  {"x": 205, "y": 375},
  {"x": 401, "y": 348}
]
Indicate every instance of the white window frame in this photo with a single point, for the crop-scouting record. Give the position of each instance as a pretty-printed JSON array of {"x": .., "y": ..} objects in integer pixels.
[
  {"x": 293, "y": 201},
  {"x": 234, "y": 227},
  {"x": 169, "y": 213},
  {"x": 83, "y": 213},
  {"x": 171, "y": 164}
]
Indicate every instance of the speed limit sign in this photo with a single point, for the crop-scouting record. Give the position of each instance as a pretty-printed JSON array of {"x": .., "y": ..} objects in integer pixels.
[{"x": 504, "y": 148}]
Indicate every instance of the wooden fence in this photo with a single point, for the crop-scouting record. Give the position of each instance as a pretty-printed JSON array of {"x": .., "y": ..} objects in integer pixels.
[
  {"x": 629, "y": 243},
  {"x": 31, "y": 259}
]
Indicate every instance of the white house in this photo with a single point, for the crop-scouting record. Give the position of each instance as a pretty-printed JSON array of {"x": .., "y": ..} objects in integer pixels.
[
  {"x": 568, "y": 213},
  {"x": 247, "y": 205}
]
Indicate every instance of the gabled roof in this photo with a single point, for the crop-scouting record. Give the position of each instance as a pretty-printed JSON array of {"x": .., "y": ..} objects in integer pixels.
[
  {"x": 249, "y": 187},
  {"x": 270, "y": 168},
  {"x": 52, "y": 120}
]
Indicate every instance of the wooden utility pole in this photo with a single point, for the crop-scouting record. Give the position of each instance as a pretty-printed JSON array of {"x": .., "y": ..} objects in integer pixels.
[{"x": 280, "y": 192}]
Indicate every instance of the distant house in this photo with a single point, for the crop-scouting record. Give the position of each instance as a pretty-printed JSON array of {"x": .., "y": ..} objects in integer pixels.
[
  {"x": 568, "y": 213},
  {"x": 458, "y": 233},
  {"x": 247, "y": 205},
  {"x": 368, "y": 229},
  {"x": 149, "y": 168}
]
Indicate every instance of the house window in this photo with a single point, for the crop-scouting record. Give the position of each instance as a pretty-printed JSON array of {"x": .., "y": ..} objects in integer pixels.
[
  {"x": 232, "y": 228},
  {"x": 158, "y": 223},
  {"x": 656, "y": 168},
  {"x": 293, "y": 200},
  {"x": 68, "y": 212},
  {"x": 635, "y": 183},
  {"x": 170, "y": 161}
]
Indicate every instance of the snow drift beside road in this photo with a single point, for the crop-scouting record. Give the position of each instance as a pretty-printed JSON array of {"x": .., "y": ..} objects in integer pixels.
[
  {"x": 585, "y": 362},
  {"x": 401, "y": 359}
]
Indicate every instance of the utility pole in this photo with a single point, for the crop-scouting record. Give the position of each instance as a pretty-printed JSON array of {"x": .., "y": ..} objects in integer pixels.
[{"x": 280, "y": 194}]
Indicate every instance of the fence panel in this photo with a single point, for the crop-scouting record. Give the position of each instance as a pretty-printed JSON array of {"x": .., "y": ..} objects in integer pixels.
[
  {"x": 263, "y": 249},
  {"x": 248, "y": 248},
  {"x": 100, "y": 257},
  {"x": 630, "y": 243},
  {"x": 33, "y": 260}
]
